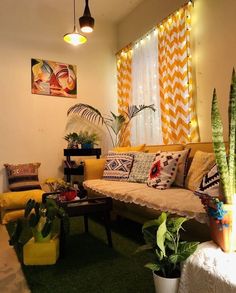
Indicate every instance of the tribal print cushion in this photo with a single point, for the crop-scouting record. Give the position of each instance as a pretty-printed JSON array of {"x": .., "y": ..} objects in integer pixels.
[
  {"x": 118, "y": 166},
  {"x": 163, "y": 170},
  {"x": 210, "y": 183}
]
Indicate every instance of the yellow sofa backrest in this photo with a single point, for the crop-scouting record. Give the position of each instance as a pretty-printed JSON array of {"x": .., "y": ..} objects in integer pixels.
[{"x": 163, "y": 148}]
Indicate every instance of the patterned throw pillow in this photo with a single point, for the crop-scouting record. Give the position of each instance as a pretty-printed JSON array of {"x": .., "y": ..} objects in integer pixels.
[
  {"x": 201, "y": 164},
  {"x": 163, "y": 170},
  {"x": 182, "y": 167},
  {"x": 118, "y": 166},
  {"x": 210, "y": 184},
  {"x": 23, "y": 176},
  {"x": 141, "y": 166}
]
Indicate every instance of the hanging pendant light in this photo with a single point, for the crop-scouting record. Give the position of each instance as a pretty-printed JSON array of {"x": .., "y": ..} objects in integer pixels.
[
  {"x": 86, "y": 21},
  {"x": 74, "y": 38}
]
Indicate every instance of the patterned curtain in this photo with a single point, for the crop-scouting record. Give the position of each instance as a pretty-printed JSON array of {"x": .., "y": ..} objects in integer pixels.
[
  {"x": 178, "y": 115},
  {"x": 124, "y": 82}
]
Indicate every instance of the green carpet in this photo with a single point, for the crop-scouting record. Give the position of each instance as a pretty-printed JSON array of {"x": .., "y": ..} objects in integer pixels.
[{"x": 91, "y": 266}]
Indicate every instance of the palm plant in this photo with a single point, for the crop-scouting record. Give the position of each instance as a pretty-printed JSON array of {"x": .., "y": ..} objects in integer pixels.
[
  {"x": 115, "y": 124},
  {"x": 226, "y": 168}
]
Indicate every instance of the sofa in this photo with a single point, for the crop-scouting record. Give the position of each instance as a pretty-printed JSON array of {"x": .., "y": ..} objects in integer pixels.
[{"x": 139, "y": 202}]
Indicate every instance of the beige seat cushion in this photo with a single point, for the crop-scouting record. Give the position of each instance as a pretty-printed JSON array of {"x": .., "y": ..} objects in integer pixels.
[
  {"x": 178, "y": 201},
  {"x": 201, "y": 164}
]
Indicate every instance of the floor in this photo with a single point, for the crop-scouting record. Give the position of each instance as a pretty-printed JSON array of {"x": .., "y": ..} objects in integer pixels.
[{"x": 11, "y": 276}]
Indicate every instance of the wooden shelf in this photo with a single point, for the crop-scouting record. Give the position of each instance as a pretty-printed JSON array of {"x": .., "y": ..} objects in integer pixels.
[{"x": 70, "y": 167}]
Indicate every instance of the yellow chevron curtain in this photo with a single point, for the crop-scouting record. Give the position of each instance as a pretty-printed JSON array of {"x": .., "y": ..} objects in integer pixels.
[
  {"x": 124, "y": 83},
  {"x": 178, "y": 115}
]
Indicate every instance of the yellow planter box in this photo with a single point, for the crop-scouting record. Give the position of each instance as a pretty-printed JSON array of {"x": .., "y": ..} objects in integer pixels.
[{"x": 41, "y": 253}]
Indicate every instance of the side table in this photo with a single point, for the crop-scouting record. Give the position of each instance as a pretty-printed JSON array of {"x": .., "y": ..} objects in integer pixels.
[
  {"x": 209, "y": 270},
  {"x": 84, "y": 207}
]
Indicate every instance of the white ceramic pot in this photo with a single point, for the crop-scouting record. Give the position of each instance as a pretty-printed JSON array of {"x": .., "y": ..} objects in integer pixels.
[{"x": 165, "y": 285}]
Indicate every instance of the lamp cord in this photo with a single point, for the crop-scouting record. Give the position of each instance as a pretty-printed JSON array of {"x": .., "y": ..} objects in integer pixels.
[{"x": 74, "y": 16}]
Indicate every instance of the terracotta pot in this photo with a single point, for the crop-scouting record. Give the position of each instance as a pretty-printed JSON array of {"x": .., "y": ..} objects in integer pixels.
[
  {"x": 223, "y": 232},
  {"x": 69, "y": 195},
  {"x": 165, "y": 285}
]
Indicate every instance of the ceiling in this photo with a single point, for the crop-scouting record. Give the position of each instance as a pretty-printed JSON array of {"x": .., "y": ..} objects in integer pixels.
[{"x": 108, "y": 10}]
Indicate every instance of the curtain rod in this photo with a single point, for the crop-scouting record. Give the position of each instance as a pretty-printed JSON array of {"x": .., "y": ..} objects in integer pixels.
[{"x": 126, "y": 48}]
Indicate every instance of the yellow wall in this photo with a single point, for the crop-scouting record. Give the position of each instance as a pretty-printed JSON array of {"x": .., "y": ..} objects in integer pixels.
[
  {"x": 214, "y": 47},
  {"x": 32, "y": 126}
]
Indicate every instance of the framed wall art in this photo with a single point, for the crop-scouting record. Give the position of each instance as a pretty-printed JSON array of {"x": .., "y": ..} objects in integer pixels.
[{"x": 53, "y": 78}]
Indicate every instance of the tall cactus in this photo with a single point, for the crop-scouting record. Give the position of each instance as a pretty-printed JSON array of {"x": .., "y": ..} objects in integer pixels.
[{"x": 226, "y": 168}]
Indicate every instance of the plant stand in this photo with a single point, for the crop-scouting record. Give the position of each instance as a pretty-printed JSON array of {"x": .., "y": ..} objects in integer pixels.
[{"x": 41, "y": 253}]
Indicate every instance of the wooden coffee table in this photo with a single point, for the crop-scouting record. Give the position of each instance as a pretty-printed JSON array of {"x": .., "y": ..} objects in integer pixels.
[{"x": 85, "y": 207}]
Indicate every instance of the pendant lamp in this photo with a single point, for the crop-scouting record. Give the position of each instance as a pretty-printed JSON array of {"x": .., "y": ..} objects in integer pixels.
[
  {"x": 74, "y": 38},
  {"x": 86, "y": 21}
]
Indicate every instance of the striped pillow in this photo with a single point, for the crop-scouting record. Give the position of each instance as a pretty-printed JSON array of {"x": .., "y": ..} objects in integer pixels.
[
  {"x": 23, "y": 176},
  {"x": 118, "y": 166}
]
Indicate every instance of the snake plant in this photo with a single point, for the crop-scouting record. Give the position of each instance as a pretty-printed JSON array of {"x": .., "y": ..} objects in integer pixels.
[
  {"x": 226, "y": 165},
  {"x": 115, "y": 124}
]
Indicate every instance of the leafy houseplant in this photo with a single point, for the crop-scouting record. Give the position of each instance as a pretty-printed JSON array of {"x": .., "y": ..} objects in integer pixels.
[
  {"x": 115, "y": 124},
  {"x": 83, "y": 138},
  {"x": 66, "y": 189},
  {"x": 40, "y": 217},
  {"x": 88, "y": 140},
  {"x": 72, "y": 139},
  {"x": 162, "y": 235}
]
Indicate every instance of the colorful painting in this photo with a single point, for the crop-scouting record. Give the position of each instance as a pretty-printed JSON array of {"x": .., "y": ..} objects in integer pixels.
[{"x": 53, "y": 78}]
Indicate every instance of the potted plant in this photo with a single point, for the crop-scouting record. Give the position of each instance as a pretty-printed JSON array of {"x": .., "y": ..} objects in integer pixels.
[
  {"x": 72, "y": 139},
  {"x": 40, "y": 217},
  {"x": 67, "y": 190},
  {"x": 222, "y": 210},
  {"x": 88, "y": 140},
  {"x": 116, "y": 125},
  {"x": 162, "y": 236}
]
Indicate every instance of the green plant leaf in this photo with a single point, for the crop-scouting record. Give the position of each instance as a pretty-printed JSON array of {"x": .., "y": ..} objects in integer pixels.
[
  {"x": 170, "y": 245},
  {"x": 159, "y": 254},
  {"x": 33, "y": 220},
  {"x": 232, "y": 136},
  {"x": 149, "y": 229},
  {"x": 176, "y": 258},
  {"x": 175, "y": 224},
  {"x": 116, "y": 123},
  {"x": 47, "y": 228},
  {"x": 29, "y": 207},
  {"x": 185, "y": 249},
  {"x": 160, "y": 237},
  {"x": 153, "y": 267},
  {"x": 219, "y": 147},
  {"x": 88, "y": 112},
  {"x": 51, "y": 212},
  {"x": 17, "y": 233},
  {"x": 133, "y": 110}
]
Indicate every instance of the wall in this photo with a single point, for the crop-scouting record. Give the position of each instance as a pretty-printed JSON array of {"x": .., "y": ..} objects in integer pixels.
[
  {"x": 214, "y": 47},
  {"x": 32, "y": 126}
]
